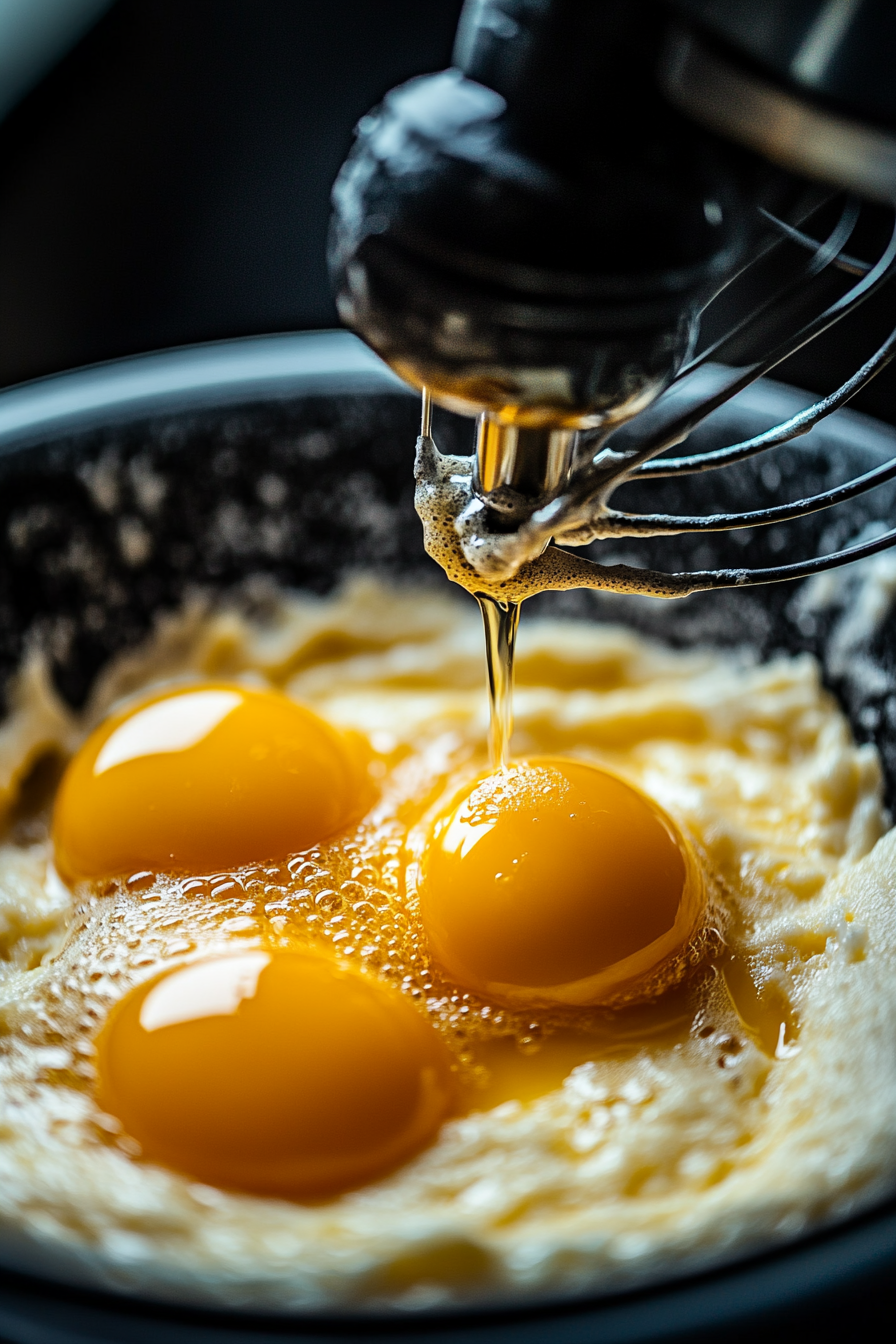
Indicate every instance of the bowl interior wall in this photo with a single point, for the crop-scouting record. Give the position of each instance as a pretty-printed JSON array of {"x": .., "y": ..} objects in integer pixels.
[{"x": 104, "y": 527}]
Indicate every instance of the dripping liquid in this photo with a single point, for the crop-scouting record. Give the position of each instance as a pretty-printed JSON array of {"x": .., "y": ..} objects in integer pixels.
[
  {"x": 523, "y": 1068},
  {"x": 501, "y": 620}
]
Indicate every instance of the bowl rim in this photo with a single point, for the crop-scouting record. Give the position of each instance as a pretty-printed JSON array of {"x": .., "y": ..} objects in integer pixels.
[
  {"x": 213, "y": 374},
  {"x": 248, "y": 369},
  {"x": 748, "y": 1291},
  {"x": 756, "y": 1285}
]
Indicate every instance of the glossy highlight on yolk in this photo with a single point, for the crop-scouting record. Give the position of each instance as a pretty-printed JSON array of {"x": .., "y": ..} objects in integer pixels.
[
  {"x": 555, "y": 882},
  {"x": 201, "y": 778},
  {"x": 279, "y": 1073}
]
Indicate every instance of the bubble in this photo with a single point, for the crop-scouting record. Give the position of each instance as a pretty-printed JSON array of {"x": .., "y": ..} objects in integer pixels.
[{"x": 328, "y": 899}]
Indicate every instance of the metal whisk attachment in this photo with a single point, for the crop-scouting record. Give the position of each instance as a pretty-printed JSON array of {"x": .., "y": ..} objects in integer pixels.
[{"x": 509, "y": 520}]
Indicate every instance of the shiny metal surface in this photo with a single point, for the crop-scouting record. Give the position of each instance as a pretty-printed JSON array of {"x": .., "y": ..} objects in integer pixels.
[
  {"x": 534, "y": 462},
  {"x": 776, "y": 122}
]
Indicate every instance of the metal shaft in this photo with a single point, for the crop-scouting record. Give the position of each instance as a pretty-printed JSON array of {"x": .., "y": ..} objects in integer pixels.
[{"x": 533, "y": 462}]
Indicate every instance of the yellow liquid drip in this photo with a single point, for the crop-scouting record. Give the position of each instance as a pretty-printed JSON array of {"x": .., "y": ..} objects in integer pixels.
[
  {"x": 501, "y": 621},
  {"x": 766, "y": 1017},
  {"x": 443, "y": 484},
  {"x": 518, "y": 1069},
  {"x": 443, "y": 491}
]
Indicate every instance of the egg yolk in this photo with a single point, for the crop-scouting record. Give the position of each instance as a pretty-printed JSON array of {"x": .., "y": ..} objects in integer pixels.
[
  {"x": 203, "y": 778},
  {"x": 279, "y": 1073},
  {"x": 555, "y": 882}
]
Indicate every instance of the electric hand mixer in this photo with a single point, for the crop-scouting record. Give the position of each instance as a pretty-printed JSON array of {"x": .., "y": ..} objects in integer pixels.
[{"x": 532, "y": 236}]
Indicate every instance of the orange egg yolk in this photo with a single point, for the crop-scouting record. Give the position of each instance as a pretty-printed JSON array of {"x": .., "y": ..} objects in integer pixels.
[
  {"x": 202, "y": 778},
  {"x": 280, "y": 1073},
  {"x": 555, "y": 882}
]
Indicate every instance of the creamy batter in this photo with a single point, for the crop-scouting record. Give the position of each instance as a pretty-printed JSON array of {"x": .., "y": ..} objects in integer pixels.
[{"x": 595, "y": 1152}]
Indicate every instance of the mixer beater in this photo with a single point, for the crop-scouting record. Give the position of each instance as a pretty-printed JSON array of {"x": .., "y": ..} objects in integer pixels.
[
  {"x": 577, "y": 511},
  {"x": 534, "y": 236}
]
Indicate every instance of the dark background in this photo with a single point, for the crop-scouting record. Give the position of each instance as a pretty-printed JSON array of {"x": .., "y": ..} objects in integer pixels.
[{"x": 169, "y": 181}]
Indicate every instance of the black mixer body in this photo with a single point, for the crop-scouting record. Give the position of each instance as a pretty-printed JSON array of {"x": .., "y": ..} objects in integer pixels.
[
  {"x": 533, "y": 235},
  {"x": 535, "y": 232}
]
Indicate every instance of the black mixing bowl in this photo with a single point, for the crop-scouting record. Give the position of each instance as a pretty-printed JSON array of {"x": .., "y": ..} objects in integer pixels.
[{"x": 126, "y": 487}]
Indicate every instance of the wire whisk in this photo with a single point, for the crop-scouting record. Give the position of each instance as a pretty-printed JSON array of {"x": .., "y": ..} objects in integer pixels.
[{"x": 581, "y": 511}]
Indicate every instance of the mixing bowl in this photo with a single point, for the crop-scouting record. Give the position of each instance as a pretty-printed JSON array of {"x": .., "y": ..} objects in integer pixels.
[{"x": 127, "y": 487}]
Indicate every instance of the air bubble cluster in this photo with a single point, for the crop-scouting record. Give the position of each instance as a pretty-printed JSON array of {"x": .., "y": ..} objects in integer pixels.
[{"x": 347, "y": 896}]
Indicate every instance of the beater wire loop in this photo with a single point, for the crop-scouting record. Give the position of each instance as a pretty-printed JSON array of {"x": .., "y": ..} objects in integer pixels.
[
  {"x": 700, "y": 581},
  {"x": 851, "y": 265},
  {"x": 681, "y": 426},
  {"x": 659, "y": 524},
  {"x": 823, "y": 254},
  {"x": 791, "y": 429},
  {"x": 595, "y": 479},
  {"x": 870, "y": 277},
  {"x": 581, "y": 513}
]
